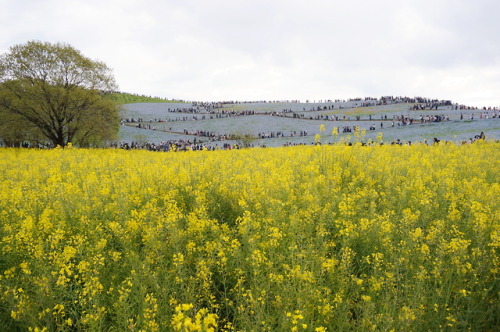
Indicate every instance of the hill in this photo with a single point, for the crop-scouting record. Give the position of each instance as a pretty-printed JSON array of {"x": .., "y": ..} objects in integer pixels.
[{"x": 292, "y": 123}]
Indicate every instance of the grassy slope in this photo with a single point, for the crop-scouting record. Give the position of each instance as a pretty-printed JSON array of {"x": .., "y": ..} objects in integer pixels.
[{"x": 127, "y": 98}]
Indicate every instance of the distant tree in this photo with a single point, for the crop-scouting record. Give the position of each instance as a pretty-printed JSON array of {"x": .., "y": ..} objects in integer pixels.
[
  {"x": 244, "y": 140},
  {"x": 140, "y": 139},
  {"x": 53, "y": 91}
]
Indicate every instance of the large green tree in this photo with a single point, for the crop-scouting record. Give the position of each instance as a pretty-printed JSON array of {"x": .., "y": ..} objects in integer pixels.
[{"x": 53, "y": 91}]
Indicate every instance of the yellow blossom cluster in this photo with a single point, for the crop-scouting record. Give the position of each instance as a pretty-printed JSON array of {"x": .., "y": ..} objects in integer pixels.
[{"x": 312, "y": 238}]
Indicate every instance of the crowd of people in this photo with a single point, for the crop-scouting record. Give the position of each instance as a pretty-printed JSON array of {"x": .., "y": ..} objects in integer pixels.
[
  {"x": 165, "y": 146},
  {"x": 188, "y": 145},
  {"x": 178, "y": 146},
  {"x": 212, "y": 136}
]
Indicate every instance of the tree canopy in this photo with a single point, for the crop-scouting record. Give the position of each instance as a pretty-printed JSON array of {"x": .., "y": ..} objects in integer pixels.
[{"x": 51, "y": 92}]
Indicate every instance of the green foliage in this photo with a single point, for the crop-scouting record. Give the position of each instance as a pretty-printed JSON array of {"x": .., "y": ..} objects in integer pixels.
[
  {"x": 244, "y": 140},
  {"x": 15, "y": 130},
  {"x": 141, "y": 139},
  {"x": 128, "y": 98},
  {"x": 54, "y": 93}
]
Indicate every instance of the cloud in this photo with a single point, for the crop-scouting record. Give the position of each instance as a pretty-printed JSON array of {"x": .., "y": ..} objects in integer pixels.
[{"x": 295, "y": 49}]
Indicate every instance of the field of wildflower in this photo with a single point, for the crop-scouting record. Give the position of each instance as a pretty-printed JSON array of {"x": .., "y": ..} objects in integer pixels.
[{"x": 306, "y": 238}]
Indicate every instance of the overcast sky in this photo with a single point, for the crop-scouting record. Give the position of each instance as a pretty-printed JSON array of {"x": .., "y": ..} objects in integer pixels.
[{"x": 212, "y": 50}]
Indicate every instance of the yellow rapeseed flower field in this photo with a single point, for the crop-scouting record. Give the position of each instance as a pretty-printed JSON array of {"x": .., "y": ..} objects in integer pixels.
[{"x": 307, "y": 238}]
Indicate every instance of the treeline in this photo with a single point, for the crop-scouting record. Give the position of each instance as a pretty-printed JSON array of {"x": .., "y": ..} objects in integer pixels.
[{"x": 129, "y": 98}]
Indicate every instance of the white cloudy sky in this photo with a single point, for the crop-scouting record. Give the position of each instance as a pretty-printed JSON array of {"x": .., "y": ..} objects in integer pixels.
[{"x": 215, "y": 50}]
